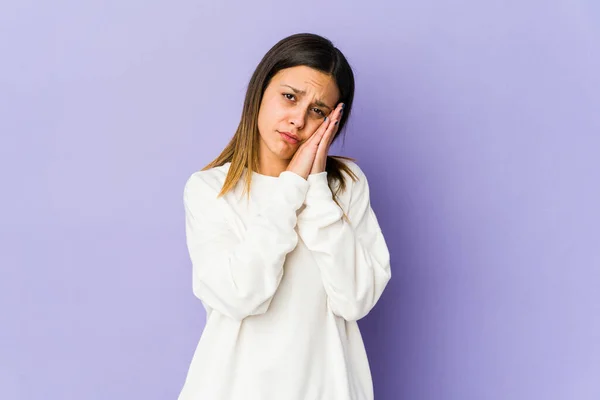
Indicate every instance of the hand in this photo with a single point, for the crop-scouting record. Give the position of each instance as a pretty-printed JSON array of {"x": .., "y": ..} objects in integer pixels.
[
  {"x": 304, "y": 158},
  {"x": 321, "y": 156}
]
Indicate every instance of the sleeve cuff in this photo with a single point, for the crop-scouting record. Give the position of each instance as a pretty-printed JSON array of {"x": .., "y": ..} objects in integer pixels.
[
  {"x": 318, "y": 188},
  {"x": 294, "y": 187}
]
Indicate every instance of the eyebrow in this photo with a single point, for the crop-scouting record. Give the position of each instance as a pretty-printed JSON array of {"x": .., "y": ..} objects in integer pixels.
[{"x": 302, "y": 92}]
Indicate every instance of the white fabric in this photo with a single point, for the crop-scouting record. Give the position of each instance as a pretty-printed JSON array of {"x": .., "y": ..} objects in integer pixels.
[{"x": 283, "y": 279}]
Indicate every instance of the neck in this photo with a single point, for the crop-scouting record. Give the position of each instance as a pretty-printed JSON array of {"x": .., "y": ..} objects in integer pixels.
[
  {"x": 272, "y": 168},
  {"x": 270, "y": 165}
]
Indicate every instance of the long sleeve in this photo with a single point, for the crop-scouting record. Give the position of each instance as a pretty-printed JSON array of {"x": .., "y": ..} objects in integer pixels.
[
  {"x": 353, "y": 257},
  {"x": 235, "y": 274}
]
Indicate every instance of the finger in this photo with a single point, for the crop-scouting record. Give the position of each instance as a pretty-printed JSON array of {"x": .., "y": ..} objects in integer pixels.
[
  {"x": 334, "y": 125},
  {"x": 329, "y": 121},
  {"x": 326, "y": 140},
  {"x": 318, "y": 135},
  {"x": 322, "y": 151}
]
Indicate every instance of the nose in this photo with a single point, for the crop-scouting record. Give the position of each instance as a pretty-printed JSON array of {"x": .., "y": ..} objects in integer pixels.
[{"x": 298, "y": 117}]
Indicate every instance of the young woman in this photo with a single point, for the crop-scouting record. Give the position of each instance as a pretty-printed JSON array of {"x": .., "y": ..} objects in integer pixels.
[{"x": 286, "y": 250}]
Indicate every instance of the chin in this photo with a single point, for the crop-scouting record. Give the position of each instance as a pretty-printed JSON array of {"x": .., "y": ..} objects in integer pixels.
[
  {"x": 284, "y": 154},
  {"x": 283, "y": 149},
  {"x": 279, "y": 148}
]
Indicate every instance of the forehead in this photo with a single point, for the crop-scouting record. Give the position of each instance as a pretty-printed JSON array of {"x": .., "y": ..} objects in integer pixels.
[{"x": 314, "y": 82}]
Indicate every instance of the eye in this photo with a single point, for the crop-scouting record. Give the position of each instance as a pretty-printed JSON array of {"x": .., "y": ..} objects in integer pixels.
[
  {"x": 289, "y": 96},
  {"x": 320, "y": 112}
]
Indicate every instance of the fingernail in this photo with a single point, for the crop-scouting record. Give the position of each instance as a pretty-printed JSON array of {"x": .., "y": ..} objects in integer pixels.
[
  {"x": 325, "y": 118},
  {"x": 343, "y": 105}
]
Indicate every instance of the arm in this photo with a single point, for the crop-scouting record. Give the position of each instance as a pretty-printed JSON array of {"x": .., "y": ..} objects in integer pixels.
[
  {"x": 353, "y": 257},
  {"x": 239, "y": 276}
]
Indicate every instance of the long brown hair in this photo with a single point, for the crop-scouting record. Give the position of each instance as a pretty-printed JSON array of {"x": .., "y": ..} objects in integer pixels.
[{"x": 305, "y": 49}]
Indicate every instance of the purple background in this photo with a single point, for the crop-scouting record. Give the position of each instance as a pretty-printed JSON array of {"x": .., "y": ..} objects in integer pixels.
[{"x": 477, "y": 123}]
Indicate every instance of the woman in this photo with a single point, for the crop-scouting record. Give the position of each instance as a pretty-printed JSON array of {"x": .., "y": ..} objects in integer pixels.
[{"x": 287, "y": 253}]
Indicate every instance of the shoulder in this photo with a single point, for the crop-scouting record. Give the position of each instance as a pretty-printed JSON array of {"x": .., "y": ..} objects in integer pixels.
[
  {"x": 359, "y": 180},
  {"x": 357, "y": 187},
  {"x": 353, "y": 165},
  {"x": 206, "y": 183}
]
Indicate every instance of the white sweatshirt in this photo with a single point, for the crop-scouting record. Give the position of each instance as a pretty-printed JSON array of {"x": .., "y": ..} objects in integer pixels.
[{"x": 283, "y": 280}]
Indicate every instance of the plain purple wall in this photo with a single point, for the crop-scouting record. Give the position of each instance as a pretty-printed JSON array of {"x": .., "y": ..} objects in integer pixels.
[{"x": 477, "y": 123}]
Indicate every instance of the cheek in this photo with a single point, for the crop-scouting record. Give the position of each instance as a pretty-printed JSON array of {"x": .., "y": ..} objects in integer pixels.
[
  {"x": 264, "y": 121},
  {"x": 270, "y": 115},
  {"x": 312, "y": 126}
]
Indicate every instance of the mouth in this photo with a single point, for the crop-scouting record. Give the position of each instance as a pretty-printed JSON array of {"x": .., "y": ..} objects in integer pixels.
[{"x": 288, "y": 137}]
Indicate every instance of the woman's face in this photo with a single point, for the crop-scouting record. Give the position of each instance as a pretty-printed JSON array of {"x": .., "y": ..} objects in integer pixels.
[{"x": 296, "y": 101}]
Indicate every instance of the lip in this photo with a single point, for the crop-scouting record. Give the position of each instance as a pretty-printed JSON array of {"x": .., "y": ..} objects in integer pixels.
[{"x": 288, "y": 137}]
